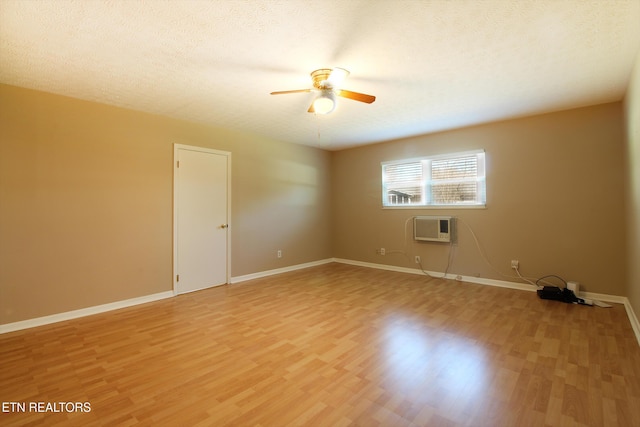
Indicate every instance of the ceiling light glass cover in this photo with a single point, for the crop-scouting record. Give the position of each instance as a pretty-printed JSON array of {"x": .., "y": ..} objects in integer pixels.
[{"x": 325, "y": 102}]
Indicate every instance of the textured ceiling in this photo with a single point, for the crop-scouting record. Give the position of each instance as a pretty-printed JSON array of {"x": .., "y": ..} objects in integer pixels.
[{"x": 433, "y": 65}]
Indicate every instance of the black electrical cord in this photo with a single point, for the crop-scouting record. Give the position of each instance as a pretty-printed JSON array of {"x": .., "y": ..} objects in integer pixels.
[{"x": 551, "y": 275}]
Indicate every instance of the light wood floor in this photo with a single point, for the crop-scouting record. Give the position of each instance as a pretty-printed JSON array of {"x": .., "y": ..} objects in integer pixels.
[{"x": 333, "y": 345}]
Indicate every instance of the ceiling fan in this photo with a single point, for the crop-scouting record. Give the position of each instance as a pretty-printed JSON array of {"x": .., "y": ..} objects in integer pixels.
[{"x": 327, "y": 82}]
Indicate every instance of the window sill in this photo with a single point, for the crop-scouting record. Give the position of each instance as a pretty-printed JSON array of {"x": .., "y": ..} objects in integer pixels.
[{"x": 423, "y": 207}]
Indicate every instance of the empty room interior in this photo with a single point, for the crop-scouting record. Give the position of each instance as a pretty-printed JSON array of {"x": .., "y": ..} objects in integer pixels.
[{"x": 274, "y": 213}]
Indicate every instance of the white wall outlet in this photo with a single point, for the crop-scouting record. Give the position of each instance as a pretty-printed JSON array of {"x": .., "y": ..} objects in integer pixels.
[
  {"x": 515, "y": 264},
  {"x": 279, "y": 253},
  {"x": 382, "y": 251},
  {"x": 417, "y": 259},
  {"x": 574, "y": 286}
]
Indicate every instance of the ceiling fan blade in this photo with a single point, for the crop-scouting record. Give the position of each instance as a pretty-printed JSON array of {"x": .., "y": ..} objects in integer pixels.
[
  {"x": 282, "y": 92},
  {"x": 356, "y": 96}
]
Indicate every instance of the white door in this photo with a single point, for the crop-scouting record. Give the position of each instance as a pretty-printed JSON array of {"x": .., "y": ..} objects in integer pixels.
[{"x": 201, "y": 212}]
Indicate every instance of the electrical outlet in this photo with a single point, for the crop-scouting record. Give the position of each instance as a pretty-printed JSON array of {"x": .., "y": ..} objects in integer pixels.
[
  {"x": 382, "y": 251},
  {"x": 417, "y": 259},
  {"x": 515, "y": 264},
  {"x": 279, "y": 254}
]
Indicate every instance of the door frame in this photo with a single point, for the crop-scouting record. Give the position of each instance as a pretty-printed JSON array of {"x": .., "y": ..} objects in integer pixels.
[{"x": 177, "y": 147}]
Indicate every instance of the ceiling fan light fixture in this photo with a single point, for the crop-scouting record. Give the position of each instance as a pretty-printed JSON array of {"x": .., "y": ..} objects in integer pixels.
[
  {"x": 325, "y": 102},
  {"x": 328, "y": 82}
]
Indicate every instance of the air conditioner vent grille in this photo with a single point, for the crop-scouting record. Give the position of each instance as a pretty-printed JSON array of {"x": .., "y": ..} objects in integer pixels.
[{"x": 434, "y": 229}]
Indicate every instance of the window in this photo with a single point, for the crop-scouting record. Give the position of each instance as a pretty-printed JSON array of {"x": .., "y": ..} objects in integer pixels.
[{"x": 449, "y": 180}]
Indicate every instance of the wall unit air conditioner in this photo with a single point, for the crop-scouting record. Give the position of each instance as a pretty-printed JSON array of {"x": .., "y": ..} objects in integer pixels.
[{"x": 434, "y": 228}]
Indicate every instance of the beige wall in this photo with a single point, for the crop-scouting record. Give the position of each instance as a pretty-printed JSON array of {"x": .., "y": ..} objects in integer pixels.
[
  {"x": 86, "y": 202},
  {"x": 632, "y": 109},
  {"x": 555, "y": 200}
]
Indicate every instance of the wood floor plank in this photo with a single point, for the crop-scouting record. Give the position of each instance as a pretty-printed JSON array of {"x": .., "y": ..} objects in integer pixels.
[{"x": 333, "y": 345}]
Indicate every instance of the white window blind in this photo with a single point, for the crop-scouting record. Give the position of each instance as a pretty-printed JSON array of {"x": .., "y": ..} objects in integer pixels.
[
  {"x": 456, "y": 179},
  {"x": 404, "y": 183}
]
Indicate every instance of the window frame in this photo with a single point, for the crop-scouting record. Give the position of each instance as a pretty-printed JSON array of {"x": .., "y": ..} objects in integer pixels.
[{"x": 426, "y": 182}]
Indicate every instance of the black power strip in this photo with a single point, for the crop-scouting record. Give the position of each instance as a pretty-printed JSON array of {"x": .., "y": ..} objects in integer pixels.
[{"x": 564, "y": 295}]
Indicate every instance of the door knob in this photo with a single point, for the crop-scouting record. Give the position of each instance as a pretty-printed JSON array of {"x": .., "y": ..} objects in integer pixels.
[{"x": 224, "y": 226}]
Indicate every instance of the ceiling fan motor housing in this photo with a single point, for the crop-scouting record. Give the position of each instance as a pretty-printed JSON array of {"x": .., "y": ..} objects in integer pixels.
[{"x": 320, "y": 78}]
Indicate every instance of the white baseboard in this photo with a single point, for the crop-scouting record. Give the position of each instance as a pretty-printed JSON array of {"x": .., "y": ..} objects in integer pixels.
[
  {"x": 41, "y": 321},
  {"x": 469, "y": 279},
  {"x": 54, "y": 318},
  {"x": 260, "y": 274},
  {"x": 505, "y": 284},
  {"x": 69, "y": 315}
]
